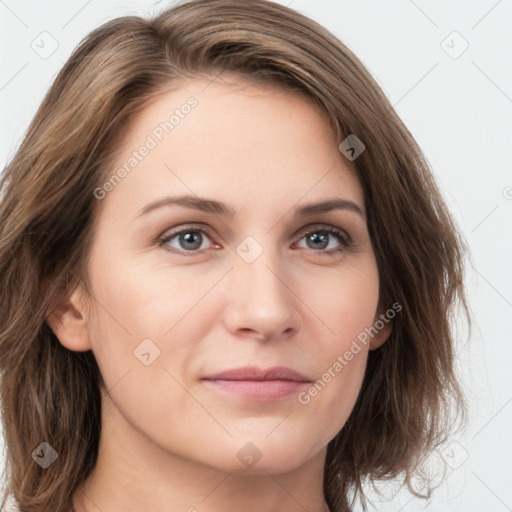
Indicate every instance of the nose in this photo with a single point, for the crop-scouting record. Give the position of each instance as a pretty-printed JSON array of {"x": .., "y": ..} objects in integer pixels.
[{"x": 261, "y": 302}]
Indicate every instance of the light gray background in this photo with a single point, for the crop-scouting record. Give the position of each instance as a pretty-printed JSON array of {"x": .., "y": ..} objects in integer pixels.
[{"x": 458, "y": 107}]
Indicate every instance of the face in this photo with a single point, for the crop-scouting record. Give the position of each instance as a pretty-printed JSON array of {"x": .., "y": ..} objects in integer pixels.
[{"x": 240, "y": 277}]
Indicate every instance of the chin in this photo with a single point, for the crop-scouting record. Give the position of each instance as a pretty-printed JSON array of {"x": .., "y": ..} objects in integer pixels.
[{"x": 260, "y": 457}]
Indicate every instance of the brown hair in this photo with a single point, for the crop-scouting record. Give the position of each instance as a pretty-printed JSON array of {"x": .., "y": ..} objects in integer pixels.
[{"x": 410, "y": 395}]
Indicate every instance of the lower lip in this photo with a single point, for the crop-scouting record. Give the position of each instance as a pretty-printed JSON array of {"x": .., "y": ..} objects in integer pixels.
[{"x": 258, "y": 389}]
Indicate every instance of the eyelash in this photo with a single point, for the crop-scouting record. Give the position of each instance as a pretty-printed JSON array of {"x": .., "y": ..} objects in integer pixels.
[{"x": 341, "y": 236}]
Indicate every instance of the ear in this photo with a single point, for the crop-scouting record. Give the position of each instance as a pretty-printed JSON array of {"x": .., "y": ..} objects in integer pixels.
[
  {"x": 69, "y": 320},
  {"x": 383, "y": 325}
]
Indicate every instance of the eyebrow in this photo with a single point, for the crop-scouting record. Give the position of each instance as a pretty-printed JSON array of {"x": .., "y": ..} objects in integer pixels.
[{"x": 218, "y": 208}]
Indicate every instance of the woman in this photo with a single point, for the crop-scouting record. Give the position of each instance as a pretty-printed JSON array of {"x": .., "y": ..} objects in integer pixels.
[{"x": 228, "y": 274}]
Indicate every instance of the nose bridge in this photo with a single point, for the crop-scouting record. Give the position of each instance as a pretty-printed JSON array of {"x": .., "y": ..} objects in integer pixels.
[{"x": 260, "y": 299}]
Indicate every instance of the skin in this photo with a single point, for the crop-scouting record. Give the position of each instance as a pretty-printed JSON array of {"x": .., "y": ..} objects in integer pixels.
[{"x": 170, "y": 442}]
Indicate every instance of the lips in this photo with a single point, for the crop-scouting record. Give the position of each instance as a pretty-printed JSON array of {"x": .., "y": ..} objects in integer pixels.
[
  {"x": 257, "y": 374},
  {"x": 254, "y": 383}
]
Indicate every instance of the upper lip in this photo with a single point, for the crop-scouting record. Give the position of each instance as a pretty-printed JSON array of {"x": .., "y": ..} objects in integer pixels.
[{"x": 255, "y": 373}]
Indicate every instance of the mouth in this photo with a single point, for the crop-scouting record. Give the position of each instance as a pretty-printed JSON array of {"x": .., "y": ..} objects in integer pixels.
[{"x": 254, "y": 383}]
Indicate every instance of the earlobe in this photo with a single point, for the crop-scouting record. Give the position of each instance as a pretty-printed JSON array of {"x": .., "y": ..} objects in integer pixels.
[
  {"x": 384, "y": 326},
  {"x": 69, "y": 321}
]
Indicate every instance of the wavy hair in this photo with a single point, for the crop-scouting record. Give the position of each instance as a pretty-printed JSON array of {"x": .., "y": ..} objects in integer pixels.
[{"x": 410, "y": 396}]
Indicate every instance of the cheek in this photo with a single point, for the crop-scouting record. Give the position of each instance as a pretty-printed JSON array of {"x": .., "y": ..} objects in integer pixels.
[
  {"x": 345, "y": 301},
  {"x": 148, "y": 313},
  {"x": 147, "y": 299},
  {"x": 347, "y": 308}
]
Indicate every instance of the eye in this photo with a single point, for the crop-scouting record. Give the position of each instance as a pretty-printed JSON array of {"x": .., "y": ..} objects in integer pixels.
[
  {"x": 318, "y": 239},
  {"x": 188, "y": 240},
  {"x": 193, "y": 240}
]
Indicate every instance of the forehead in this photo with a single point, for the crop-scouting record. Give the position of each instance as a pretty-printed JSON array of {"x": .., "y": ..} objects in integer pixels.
[{"x": 215, "y": 138}]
